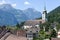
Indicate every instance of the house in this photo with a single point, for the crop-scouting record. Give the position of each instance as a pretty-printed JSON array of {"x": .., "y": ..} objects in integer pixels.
[
  {"x": 31, "y": 23},
  {"x": 32, "y": 32},
  {"x": 58, "y": 34},
  {"x": 19, "y": 32}
]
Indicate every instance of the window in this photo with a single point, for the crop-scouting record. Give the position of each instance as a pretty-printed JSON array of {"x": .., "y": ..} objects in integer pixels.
[
  {"x": 29, "y": 35},
  {"x": 40, "y": 22},
  {"x": 30, "y": 31},
  {"x": 36, "y": 31}
]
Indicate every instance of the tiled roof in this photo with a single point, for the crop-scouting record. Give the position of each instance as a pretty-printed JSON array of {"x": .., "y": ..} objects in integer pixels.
[
  {"x": 32, "y": 22},
  {"x": 14, "y": 37},
  {"x": 21, "y": 33}
]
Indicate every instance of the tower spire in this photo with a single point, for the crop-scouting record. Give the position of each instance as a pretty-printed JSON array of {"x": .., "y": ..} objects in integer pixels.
[
  {"x": 44, "y": 6},
  {"x": 44, "y": 14}
]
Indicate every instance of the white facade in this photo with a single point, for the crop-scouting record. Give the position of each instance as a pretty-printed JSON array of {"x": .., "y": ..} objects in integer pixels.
[
  {"x": 29, "y": 37},
  {"x": 58, "y": 35},
  {"x": 37, "y": 25},
  {"x": 25, "y": 27},
  {"x": 43, "y": 16},
  {"x": 46, "y": 39}
]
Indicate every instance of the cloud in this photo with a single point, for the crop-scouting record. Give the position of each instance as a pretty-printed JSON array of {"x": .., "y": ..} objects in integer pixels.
[
  {"x": 2, "y": 2},
  {"x": 27, "y": 3},
  {"x": 13, "y": 5}
]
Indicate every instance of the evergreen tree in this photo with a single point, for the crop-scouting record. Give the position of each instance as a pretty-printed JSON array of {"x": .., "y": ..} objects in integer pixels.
[
  {"x": 18, "y": 26},
  {"x": 21, "y": 24},
  {"x": 53, "y": 34},
  {"x": 58, "y": 27}
]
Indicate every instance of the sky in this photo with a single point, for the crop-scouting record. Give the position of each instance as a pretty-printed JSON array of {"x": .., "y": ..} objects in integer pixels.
[{"x": 36, "y": 4}]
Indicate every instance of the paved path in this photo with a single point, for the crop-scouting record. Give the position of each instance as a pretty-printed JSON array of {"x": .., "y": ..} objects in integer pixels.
[{"x": 14, "y": 37}]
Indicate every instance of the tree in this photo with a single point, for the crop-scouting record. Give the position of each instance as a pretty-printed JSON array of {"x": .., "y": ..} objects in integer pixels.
[
  {"x": 18, "y": 26},
  {"x": 42, "y": 34},
  {"x": 21, "y": 24},
  {"x": 53, "y": 33},
  {"x": 41, "y": 26},
  {"x": 58, "y": 27},
  {"x": 46, "y": 25}
]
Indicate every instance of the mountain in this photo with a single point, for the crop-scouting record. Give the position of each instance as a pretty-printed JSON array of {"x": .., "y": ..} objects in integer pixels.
[
  {"x": 32, "y": 13},
  {"x": 54, "y": 15},
  {"x": 17, "y": 15},
  {"x": 20, "y": 16},
  {"x": 7, "y": 18}
]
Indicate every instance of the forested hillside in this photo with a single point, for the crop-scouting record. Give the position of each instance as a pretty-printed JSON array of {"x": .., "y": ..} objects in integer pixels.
[{"x": 54, "y": 15}]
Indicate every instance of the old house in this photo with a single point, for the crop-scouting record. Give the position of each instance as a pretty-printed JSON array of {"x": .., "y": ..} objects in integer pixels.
[
  {"x": 31, "y": 23},
  {"x": 32, "y": 32}
]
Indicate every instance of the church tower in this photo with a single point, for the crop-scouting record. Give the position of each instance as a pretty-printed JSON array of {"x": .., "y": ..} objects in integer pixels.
[{"x": 44, "y": 15}]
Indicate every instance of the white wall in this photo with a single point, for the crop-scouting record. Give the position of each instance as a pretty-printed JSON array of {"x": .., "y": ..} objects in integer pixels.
[
  {"x": 25, "y": 27},
  {"x": 43, "y": 16},
  {"x": 58, "y": 35}
]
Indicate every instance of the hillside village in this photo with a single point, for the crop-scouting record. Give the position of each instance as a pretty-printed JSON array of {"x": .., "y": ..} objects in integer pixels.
[
  {"x": 39, "y": 29},
  {"x": 47, "y": 27}
]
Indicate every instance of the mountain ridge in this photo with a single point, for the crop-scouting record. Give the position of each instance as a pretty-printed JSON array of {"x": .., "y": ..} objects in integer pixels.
[
  {"x": 54, "y": 15},
  {"x": 19, "y": 15}
]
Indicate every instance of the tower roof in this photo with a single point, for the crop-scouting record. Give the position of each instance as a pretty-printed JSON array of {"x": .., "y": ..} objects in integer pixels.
[{"x": 44, "y": 6}]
